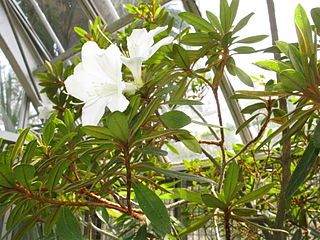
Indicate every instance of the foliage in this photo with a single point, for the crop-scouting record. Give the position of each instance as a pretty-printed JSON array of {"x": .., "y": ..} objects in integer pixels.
[{"x": 70, "y": 174}]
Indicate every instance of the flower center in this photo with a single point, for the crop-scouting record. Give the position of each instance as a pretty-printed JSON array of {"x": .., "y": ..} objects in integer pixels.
[{"x": 103, "y": 89}]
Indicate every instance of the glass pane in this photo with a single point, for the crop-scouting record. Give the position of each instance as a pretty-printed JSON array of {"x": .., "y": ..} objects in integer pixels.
[
  {"x": 62, "y": 15},
  {"x": 120, "y": 8},
  {"x": 11, "y": 93},
  {"x": 34, "y": 120}
]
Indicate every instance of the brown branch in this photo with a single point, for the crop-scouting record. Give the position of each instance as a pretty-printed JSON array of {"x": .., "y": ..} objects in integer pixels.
[{"x": 217, "y": 143}]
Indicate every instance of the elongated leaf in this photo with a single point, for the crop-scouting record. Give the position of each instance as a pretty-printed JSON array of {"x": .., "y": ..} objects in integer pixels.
[
  {"x": 48, "y": 132},
  {"x": 244, "y": 49},
  {"x": 117, "y": 123},
  {"x": 56, "y": 173},
  {"x": 233, "y": 10},
  {"x": 231, "y": 181},
  {"x": 153, "y": 151},
  {"x": 255, "y": 194},
  {"x": 196, "y": 39},
  {"x": 211, "y": 201},
  {"x": 243, "y": 76},
  {"x": 184, "y": 102},
  {"x": 68, "y": 118},
  {"x": 153, "y": 208},
  {"x": 293, "y": 80},
  {"x": 175, "y": 119},
  {"x": 81, "y": 32},
  {"x": 179, "y": 175},
  {"x": 243, "y": 125},
  {"x": 316, "y": 140},
  {"x": 68, "y": 227},
  {"x": 102, "y": 214},
  {"x": 294, "y": 118},
  {"x": 18, "y": 145},
  {"x": 7, "y": 178},
  {"x": 225, "y": 15},
  {"x": 315, "y": 14},
  {"x": 304, "y": 31},
  {"x": 253, "y": 39},
  {"x": 190, "y": 142},
  {"x": 98, "y": 132},
  {"x": 188, "y": 195},
  {"x": 181, "y": 57},
  {"x": 252, "y": 108},
  {"x": 302, "y": 169},
  {"x": 24, "y": 174},
  {"x": 283, "y": 47},
  {"x": 197, "y": 22},
  {"x": 29, "y": 151},
  {"x": 52, "y": 220},
  {"x": 142, "y": 233},
  {"x": 195, "y": 225},
  {"x": 242, "y": 23},
  {"x": 295, "y": 57},
  {"x": 273, "y": 65},
  {"x": 214, "y": 21}
]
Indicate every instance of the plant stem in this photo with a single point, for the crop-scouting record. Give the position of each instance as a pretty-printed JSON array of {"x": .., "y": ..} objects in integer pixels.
[
  {"x": 227, "y": 224},
  {"x": 127, "y": 158}
]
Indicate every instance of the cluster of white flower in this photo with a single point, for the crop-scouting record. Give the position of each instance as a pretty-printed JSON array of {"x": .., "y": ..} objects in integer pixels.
[{"x": 97, "y": 80}]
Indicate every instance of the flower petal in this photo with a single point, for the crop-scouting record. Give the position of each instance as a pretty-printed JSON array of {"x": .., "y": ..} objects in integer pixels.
[
  {"x": 134, "y": 64},
  {"x": 79, "y": 85},
  {"x": 112, "y": 63},
  {"x": 93, "y": 110},
  {"x": 162, "y": 42},
  {"x": 152, "y": 33},
  {"x": 118, "y": 103},
  {"x": 139, "y": 42}
]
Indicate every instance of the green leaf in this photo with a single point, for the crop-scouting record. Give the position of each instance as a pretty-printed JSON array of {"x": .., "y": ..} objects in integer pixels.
[
  {"x": 117, "y": 123},
  {"x": 179, "y": 175},
  {"x": 303, "y": 168},
  {"x": 244, "y": 211},
  {"x": 252, "y": 108},
  {"x": 68, "y": 118},
  {"x": 187, "y": 195},
  {"x": 279, "y": 130},
  {"x": 98, "y": 132},
  {"x": 157, "y": 134},
  {"x": 175, "y": 119},
  {"x": 184, "y": 102},
  {"x": 242, "y": 23},
  {"x": 24, "y": 174},
  {"x": 253, "y": 39},
  {"x": 231, "y": 181},
  {"x": 255, "y": 194},
  {"x": 315, "y": 14},
  {"x": 102, "y": 214},
  {"x": 244, "y": 124},
  {"x": 304, "y": 31},
  {"x": 190, "y": 142},
  {"x": 81, "y": 32},
  {"x": 225, "y": 15},
  {"x": 273, "y": 65},
  {"x": 195, "y": 225},
  {"x": 68, "y": 227},
  {"x": 293, "y": 80},
  {"x": 214, "y": 21},
  {"x": 153, "y": 208},
  {"x": 52, "y": 220},
  {"x": 197, "y": 22},
  {"x": 142, "y": 233},
  {"x": 211, "y": 201},
  {"x": 196, "y": 39},
  {"x": 153, "y": 151},
  {"x": 29, "y": 151},
  {"x": 243, "y": 77},
  {"x": 244, "y": 49},
  {"x": 56, "y": 173},
  {"x": 18, "y": 145},
  {"x": 316, "y": 140},
  {"x": 7, "y": 178},
  {"x": 180, "y": 56},
  {"x": 295, "y": 58},
  {"x": 233, "y": 11},
  {"x": 283, "y": 47},
  {"x": 48, "y": 132}
]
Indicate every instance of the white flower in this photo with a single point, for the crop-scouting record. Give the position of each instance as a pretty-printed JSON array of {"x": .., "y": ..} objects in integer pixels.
[
  {"x": 140, "y": 48},
  {"x": 97, "y": 81},
  {"x": 45, "y": 111}
]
